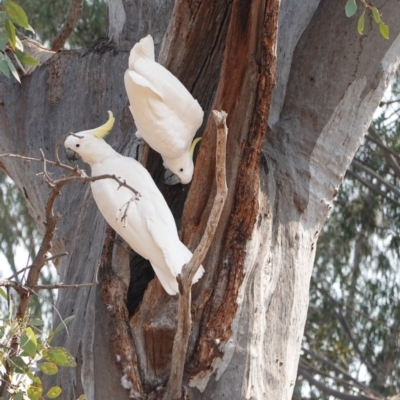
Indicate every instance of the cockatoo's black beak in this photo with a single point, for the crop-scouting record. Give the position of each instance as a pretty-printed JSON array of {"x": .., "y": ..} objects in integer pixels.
[
  {"x": 72, "y": 155},
  {"x": 170, "y": 178}
]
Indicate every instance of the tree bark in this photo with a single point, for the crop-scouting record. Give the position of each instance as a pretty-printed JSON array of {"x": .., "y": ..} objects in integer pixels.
[{"x": 250, "y": 307}]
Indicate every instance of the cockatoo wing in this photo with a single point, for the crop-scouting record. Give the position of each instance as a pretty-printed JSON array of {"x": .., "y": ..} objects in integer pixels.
[
  {"x": 150, "y": 228},
  {"x": 173, "y": 94},
  {"x": 175, "y": 255},
  {"x": 143, "y": 49}
]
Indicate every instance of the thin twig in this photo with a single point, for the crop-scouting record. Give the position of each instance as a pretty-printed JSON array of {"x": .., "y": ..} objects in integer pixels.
[
  {"x": 77, "y": 286},
  {"x": 174, "y": 386},
  {"x": 22, "y": 288},
  {"x": 76, "y": 173}
]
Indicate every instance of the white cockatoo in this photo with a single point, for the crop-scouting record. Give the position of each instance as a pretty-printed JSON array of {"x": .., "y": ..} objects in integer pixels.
[
  {"x": 166, "y": 114},
  {"x": 145, "y": 222}
]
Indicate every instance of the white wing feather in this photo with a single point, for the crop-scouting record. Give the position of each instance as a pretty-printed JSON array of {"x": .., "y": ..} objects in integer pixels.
[
  {"x": 165, "y": 113},
  {"x": 150, "y": 228}
]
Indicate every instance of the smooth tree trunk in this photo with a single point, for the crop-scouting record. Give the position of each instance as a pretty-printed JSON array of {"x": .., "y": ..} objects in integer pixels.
[{"x": 288, "y": 149}]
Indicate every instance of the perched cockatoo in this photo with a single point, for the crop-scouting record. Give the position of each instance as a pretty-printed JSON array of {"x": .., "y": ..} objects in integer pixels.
[
  {"x": 144, "y": 221},
  {"x": 166, "y": 114}
]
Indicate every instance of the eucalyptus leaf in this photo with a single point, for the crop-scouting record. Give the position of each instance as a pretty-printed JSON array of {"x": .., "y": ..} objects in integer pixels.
[
  {"x": 350, "y": 8},
  {"x": 360, "y": 23},
  {"x": 10, "y": 30},
  {"x": 59, "y": 356},
  {"x": 376, "y": 15},
  {"x": 54, "y": 392},
  {"x": 3, "y": 41},
  {"x": 12, "y": 68},
  {"x": 26, "y": 59},
  {"x": 48, "y": 368},
  {"x": 63, "y": 324},
  {"x": 384, "y": 30},
  {"x": 16, "y": 14}
]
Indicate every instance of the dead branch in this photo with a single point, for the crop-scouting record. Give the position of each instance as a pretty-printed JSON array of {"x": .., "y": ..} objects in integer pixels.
[
  {"x": 70, "y": 23},
  {"x": 328, "y": 391},
  {"x": 373, "y": 174},
  {"x": 30, "y": 266},
  {"x": 373, "y": 188},
  {"x": 339, "y": 370},
  {"x": 75, "y": 173},
  {"x": 62, "y": 285},
  {"x": 174, "y": 386}
]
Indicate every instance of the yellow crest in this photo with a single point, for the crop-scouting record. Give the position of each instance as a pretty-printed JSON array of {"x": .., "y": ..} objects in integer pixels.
[
  {"x": 193, "y": 145},
  {"x": 103, "y": 130}
]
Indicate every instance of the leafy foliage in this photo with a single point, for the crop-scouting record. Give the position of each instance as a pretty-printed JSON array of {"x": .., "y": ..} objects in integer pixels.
[
  {"x": 23, "y": 352},
  {"x": 12, "y": 14},
  {"x": 47, "y": 16},
  {"x": 19, "y": 235},
  {"x": 351, "y": 9},
  {"x": 352, "y": 336}
]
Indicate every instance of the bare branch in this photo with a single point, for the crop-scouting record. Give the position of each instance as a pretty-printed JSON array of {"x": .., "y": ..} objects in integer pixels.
[
  {"x": 25, "y": 289},
  {"x": 338, "y": 369},
  {"x": 174, "y": 386},
  {"x": 30, "y": 266},
  {"x": 373, "y": 188},
  {"x": 367, "y": 317},
  {"x": 331, "y": 392},
  {"x": 373, "y": 174},
  {"x": 70, "y": 23},
  {"x": 76, "y": 173},
  {"x": 61, "y": 285}
]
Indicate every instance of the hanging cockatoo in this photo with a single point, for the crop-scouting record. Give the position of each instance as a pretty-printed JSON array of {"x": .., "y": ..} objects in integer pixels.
[
  {"x": 145, "y": 221},
  {"x": 166, "y": 114}
]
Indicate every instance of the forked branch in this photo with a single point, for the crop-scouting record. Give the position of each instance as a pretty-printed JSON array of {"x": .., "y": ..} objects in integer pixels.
[{"x": 174, "y": 386}]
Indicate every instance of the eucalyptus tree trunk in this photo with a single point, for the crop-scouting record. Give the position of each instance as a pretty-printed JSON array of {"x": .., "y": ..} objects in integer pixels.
[{"x": 250, "y": 308}]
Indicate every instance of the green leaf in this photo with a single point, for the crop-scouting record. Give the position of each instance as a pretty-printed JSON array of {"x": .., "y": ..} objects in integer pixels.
[
  {"x": 384, "y": 30},
  {"x": 12, "y": 68},
  {"x": 81, "y": 397},
  {"x": 19, "y": 365},
  {"x": 2, "y": 18},
  {"x": 10, "y": 30},
  {"x": 350, "y": 8},
  {"x": 35, "y": 390},
  {"x": 4, "y": 66},
  {"x": 19, "y": 396},
  {"x": 19, "y": 62},
  {"x": 375, "y": 14},
  {"x": 63, "y": 324},
  {"x": 59, "y": 356},
  {"x": 54, "y": 392},
  {"x": 48, "y": 368},
  {"x": 16, "y": 14},
  {"x": 3, "y": 37},
  {"x": 28, "y": 342},
  {"x": 29, "y": 28},
  {"x": 27, "y": 60},
  {"x": 18, "y": 44},
  {"x": 360, "y": 23}
]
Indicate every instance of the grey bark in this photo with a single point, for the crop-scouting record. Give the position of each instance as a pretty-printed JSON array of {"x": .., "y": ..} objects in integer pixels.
[{"x": 329, "y": 82}]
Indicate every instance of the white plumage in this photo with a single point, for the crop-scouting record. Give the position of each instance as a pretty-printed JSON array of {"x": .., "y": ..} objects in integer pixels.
[
  {"x": 149, "y": 227},
  {"x": 166, "y": 114}
]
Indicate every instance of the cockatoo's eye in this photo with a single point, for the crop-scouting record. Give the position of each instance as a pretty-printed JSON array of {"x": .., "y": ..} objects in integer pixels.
[
  {"x": 181, "y": 170},
  {"x": 77, "y": 145}
]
